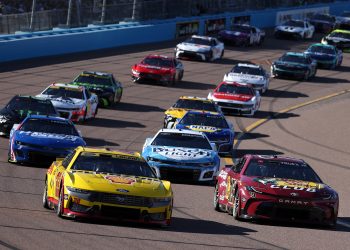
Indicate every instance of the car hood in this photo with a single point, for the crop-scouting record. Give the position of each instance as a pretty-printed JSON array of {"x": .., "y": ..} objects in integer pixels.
[
  {"x": 193, "y": 47},
  {"x": 151, "y": 69},
  {"x": 64, "y": 102},
  {"x": 201, "y": 128},
  {"x": 291, "y": 64},
  {"x": 287, "y": 188},
  {"x": 244, "y": 78},
  {"x": 95, "y": 87},
  {"x": 289, "y": 28},
  {"x": 232, "y": 97},
  {"x": 321, "y": 56},
  {"x": 179, "y": 154},
  {"x": 49, "y": 139},
  {"x": 128, "y": 185}
]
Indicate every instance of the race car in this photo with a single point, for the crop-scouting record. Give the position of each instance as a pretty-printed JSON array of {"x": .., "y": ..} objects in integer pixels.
[
  {"x": 19, "y": 107},
  {"x": 204, "y": 48},
  {"x": 242, "y": 35},
  {"x": 338, "y": 38},
  {"x": 41, "y": 139},
  {"x": 182, "y": 155},
  {"x": 248, "y": 73},
  {"x": 295, "y": 29},
  {"x": 275, "y": 188},
  {"x": 214, "y": 125},
  {"x": 326, "y": 56},
  {"x": 75, "y": 103},
  {"x": 235, "y": 97},
  {"x": 105, "y": 184},
  {"x": 164, "y": 69},
  {"x": 104, "y": 85},
  {"x": 323, "y": 23},
  {"x": 295, "y": 65},
  {"x": 186, "y": 103}
]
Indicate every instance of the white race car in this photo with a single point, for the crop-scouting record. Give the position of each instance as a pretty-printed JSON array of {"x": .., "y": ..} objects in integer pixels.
[
  {"x": 247, "y": 73},
  {"x": 72, "y": 102},
  {"x": 295, "y": 29},
  {"x": 203, "y": 48}
]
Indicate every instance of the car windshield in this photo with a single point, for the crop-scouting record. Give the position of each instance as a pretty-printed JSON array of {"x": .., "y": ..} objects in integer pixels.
[
  {"x": 112, "y": 164},
  {"x": 183, "y": 140},
  {"x": 217, "y": 121},
  {"x": 294, "y": 59},
  {"x": 94, "y": 79},
  {"x": 49, "y": 126},
  {"x": 248, "y": 70},
  {"x": 241, "y": 28},
  {"x": 196, "y": 104},
  {"x": 196, "y": 40},
  {"x": 294, "y": 23},
  {"x": 340, "y": 35},
  {"x": 322, "y": 49},
  {"x": 158, "y": 62},
  {"x": 281, "y": 169},
  {"x": 235, "y": 89},
  {"x": 323, "y": 17},
  {"x": 27, "y": 105},
  {"x": 64, "y": 92}
]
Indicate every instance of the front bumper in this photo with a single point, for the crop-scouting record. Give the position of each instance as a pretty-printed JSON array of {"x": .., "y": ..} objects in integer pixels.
[
  {"x": 290, "y": 72},
  {"x": 286, "y": 34},
  {"x": 71, "y": 114},
  {"x": 239, "y": 107},
  {"x": 144, "y": 76},
  {"x": 192, "y": 55}
]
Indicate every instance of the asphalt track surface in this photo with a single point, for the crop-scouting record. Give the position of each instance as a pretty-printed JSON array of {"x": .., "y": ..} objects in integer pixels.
[{"x": 318, "y": 132}]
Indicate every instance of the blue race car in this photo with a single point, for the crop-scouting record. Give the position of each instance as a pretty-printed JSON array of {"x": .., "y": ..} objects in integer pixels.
[
  {"x": 326, "y": 56},
  {"x": 42, "y": 139},
  {"x": 295, "y": 65},
  {"x": 214, "y": 125},
  {"x": 182, "y": 155}
]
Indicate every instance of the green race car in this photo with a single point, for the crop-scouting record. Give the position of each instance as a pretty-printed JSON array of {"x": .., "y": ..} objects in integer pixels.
[
  {"x": 104, "y": 85},
  {"x": 338, "y": 38}
]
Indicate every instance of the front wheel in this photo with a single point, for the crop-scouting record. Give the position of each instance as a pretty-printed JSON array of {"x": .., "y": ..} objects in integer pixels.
[
  {"x": 236, "y": 206},
  {"x": 45, "y": 201},
  {"x": 60, "y": 205},
  {"x": 307, "y": 75},
  {"x": 216, "y": 199}
]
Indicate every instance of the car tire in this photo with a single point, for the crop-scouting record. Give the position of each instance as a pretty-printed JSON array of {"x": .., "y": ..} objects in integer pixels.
[
  {"x": 60, "y": 204},
  {"x": 210, "y": 57},
  {"x": 181, "y": 75},
  {"x": 222, "y": 54},
  {"x": 307, "y": 75},
  {"x": 45, "y": 201},
  {"x": 216, "y": 203},
  {"x": 236, "y": 205}
]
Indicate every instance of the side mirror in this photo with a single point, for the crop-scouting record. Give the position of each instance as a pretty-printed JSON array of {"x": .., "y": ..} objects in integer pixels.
[{"x": 214, "y": 147}]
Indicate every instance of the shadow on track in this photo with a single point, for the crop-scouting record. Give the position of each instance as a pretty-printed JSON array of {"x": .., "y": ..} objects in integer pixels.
[
  {"x": 283, "y": 94},
  {"x": 248, "y": 136},
  {"x": 265, "y": 114},
  {"x": 134, "y": 107},
  {"x": 110, "y": 123},
  {"x": 94, "y": 142},
  {"x": 237, "y": 153},
  {"x": 193, "y": 85}
]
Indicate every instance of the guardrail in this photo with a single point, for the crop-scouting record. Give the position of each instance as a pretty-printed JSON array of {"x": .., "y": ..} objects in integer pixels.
[{"x": 65, "y": 41}]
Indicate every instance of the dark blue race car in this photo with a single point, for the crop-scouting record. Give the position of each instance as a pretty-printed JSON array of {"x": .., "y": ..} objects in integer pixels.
[
  {"x": 214, "y": 125},
  {"x": 327, "y": 56},
  {"x": 42, "y": 139}
]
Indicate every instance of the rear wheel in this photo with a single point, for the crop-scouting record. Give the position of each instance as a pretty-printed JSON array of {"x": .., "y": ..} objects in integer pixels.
[
  {"x": 216, "y": 199},
  {"x": 306, "y": 76}
]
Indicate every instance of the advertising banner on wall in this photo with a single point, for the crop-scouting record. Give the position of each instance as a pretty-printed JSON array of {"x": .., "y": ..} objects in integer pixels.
[
  {"x": 301, "y": 14},
  {"x": 240, "y": 20},
  {"x": 213, "y": 26},
  {"x": 187, "y": 29}
]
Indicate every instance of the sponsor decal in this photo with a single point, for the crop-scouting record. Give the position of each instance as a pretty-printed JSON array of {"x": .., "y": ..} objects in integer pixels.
[
  {"x": 213, "y": 26},
  {"x": 293, "y": 202},
  {"x": 202, "y": 128},
  {"x": 120, "y": 180},
  {"x": 48, "y": 135},
  {"x": 181, "y": 153},
  {"x": 187, "y": 29},
  {"x": 223, "y": 174},
  {"x": 291, "y": 184},
  {"x": 122, "y": 190}
]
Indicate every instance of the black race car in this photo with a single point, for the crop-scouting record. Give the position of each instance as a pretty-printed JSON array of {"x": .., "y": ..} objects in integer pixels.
[
  {"x": 323, "y": 23},
  {"x": 104, "y": 85},
  {"x": 20, "y": 107}
]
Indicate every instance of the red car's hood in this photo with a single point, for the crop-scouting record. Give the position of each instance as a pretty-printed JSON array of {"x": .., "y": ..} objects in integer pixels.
[
  {"x": 287, "y": 187},
  {"x": 151, "y": 69},
  {"x": 233, "y": 97}
]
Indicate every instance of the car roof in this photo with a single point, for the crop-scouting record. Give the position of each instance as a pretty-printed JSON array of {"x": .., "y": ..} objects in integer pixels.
[
  {"x": 322, "y": 45},
  {"x": 204, "y": 112},
  {"x": 195, "y": 98},
  {"x": 47, "y": 117},
  {"x": 180, "y": 131},
  {"x": 159, "y": 56},
  {"x": 203, "y": 37},
  {"x": 67, "y": 85},
  {"x": 250, "y": 65},
  {"x": 275, "y": 158},
  {"x": 135, "y": 155},
  {"x": 235, "y": 83},
  {"x": 33, "y": 97},
  {"x": 301, "y": 54},
  {"x": 96, "y": 73}
]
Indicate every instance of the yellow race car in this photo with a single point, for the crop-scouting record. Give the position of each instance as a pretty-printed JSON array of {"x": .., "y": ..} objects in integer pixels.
[
  {"x": 100, "y": 183},
  {"x": 186, "y": 103}
]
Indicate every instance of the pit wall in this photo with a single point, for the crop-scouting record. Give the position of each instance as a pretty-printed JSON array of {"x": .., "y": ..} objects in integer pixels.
[{"x": 25, "y": 45}]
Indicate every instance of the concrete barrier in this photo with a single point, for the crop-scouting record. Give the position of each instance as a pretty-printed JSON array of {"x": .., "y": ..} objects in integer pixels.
[{"x": 58, "y": 41}]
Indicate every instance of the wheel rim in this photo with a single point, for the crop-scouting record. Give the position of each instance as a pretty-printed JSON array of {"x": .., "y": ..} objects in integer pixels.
[
  {"x": 236, "y": 206},
  {"x": 216, "y": 196},
  {"x": 45, "y": 195}
]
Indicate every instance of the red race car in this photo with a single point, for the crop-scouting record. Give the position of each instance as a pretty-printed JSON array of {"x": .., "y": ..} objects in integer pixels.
[
  {"x": 236, "y": 97},
  {"x": 275, "y": 188},
  {"x": 166, "y": 70}
]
